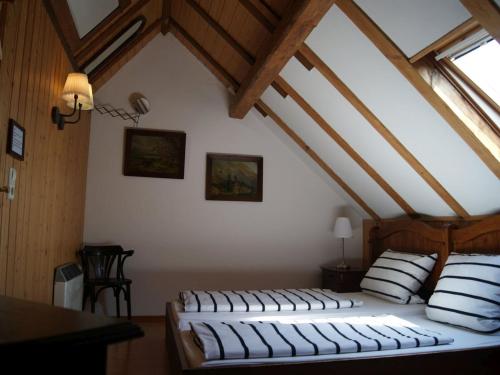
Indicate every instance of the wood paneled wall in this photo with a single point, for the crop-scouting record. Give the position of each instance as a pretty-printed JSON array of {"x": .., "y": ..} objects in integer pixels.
[{"x": 43, "y": 226}]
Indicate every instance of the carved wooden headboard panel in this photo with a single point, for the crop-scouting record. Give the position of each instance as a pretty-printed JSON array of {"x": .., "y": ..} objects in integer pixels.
[
  {"x": 480, "y": 237},
  {"x": 410, "y": 236}
]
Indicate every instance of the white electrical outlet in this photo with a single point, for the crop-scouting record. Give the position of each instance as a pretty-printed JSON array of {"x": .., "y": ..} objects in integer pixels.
[{"x": 12, "y": 184}]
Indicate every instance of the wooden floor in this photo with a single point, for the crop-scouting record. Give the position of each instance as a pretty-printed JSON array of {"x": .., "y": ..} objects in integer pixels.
[{"x": 144, "y": 356}]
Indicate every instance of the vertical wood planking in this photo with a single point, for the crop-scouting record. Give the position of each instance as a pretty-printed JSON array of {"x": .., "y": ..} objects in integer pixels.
[
  {"x": 43, "y": 226},
  {"x": 6, "y": 81}
]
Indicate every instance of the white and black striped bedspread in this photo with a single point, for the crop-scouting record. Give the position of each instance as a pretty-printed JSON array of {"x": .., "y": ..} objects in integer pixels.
[
  {"x": 264, "y": 300},
  {"x": 248, "y": 340}
]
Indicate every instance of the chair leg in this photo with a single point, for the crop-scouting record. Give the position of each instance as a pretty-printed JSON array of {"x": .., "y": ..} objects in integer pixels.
[
  {"x": 117, "y": 299},
  {"x": 92, "y": 300},
  {"x": 129, "y": 303},
  {"x": 84, "y": 300}
]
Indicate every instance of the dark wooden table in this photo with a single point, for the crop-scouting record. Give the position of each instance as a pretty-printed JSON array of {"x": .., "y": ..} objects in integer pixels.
[
  {"x": 39, "y": 338},
  {"x": 342, "y": 280}
]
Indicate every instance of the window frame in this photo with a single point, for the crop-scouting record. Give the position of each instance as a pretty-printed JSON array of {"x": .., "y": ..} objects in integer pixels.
[{"x": 484, "y": 128}]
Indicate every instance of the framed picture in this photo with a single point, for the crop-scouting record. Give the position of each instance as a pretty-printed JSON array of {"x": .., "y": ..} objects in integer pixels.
[
  {"x": 15, "y": 140},
  {"x": 154, "y": 153},
  {"x": 234, "y": 178}
]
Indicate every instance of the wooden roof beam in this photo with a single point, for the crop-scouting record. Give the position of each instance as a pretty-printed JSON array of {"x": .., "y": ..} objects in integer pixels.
[
  {"x": 314, "y": 61},
  {"x": 224, "y": 76},
  {"x": 270, "y": 20},
  {"x": 373, "y": 120},
  {"x": 336, "y": 137},
  {"x": 301, "y": 17},
  {"x": 186, "y": 39},
  {"x": 262, "y": 107},
  {"x": 242, "y": 51},
  {"x": 399, "y": 60},
  {"x": 165, "y": 16},
  {"x": 487, "y": 13}
]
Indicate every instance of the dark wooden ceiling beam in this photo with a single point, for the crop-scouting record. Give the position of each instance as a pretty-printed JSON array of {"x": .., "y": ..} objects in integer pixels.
[
  {"x": 270, "y": 21},
  {"x": 165, "y": 16},
  {"x": 109, "y": 30},
  {"x": 399, "y": 60},
  {"x": 487, "y": 13},
  {"x": 300, "y": 19},
  {"x": 206, "y": 55},
  {"x": 244, "y": 53},
  {"x": 259, "y": 15},
  {"x": 96, "y": 77}
]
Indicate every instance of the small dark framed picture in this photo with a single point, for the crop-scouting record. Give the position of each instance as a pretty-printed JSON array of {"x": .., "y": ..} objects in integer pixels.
[
  {"x": 154, "y": 153},
  {"x": 234, "y": 177},
  {"x": 16, "y": 140}
]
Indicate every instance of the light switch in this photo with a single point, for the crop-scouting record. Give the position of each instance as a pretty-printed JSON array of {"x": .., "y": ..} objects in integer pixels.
[{"x": 12, "y": 184}]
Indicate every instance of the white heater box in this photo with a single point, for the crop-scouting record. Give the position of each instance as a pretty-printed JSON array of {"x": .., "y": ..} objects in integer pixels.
[{"x": 68, "y": 286}]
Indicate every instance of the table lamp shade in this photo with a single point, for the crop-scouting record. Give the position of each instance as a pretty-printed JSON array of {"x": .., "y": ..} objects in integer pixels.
[{"x": 342, "y": 228}]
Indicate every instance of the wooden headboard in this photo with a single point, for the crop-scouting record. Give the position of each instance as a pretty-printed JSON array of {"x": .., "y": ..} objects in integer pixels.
[
  {"x": 410, "y": 236},
  {"x": 480, "y": 237},
  {"x": 414, "y": 236}
]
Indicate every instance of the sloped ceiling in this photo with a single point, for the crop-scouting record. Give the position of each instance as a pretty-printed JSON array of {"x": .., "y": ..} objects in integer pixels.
[
  {"x": 401, "y": 109},
  {"x": 445, "y": 176}
]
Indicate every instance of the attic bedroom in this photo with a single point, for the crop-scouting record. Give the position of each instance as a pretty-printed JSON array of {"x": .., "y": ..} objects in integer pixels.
[{"x": 249, "y": 186}]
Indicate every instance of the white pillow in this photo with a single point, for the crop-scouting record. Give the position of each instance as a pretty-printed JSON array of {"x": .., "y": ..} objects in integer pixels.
[
  {"x": 397, "y": 276},
  {"x": 468, "y": 293}
]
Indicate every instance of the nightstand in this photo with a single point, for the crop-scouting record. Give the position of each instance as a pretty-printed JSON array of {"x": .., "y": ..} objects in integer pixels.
[{"x": 341, "y": 280}]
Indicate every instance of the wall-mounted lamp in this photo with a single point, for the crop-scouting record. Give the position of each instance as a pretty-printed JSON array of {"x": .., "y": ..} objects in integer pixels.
[{"x": 77, "y": 92}]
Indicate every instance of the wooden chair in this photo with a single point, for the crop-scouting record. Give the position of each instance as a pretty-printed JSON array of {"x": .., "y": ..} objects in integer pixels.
[{"x": 97, "y": 263}]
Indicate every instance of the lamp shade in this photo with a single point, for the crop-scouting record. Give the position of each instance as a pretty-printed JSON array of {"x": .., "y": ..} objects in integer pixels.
[
  {"x": 76, "y": 84},
  {"x": 342, "y": 228},
  {"x": 86, "y": 101}
]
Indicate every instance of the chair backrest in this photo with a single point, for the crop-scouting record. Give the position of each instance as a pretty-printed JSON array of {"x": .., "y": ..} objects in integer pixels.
[{"x": 98, "y": 261}]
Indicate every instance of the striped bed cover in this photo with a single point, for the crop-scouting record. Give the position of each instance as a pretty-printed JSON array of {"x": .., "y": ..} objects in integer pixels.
[
  {"x": 250, "y": 340},
  {"x": 264, "y": 300}
]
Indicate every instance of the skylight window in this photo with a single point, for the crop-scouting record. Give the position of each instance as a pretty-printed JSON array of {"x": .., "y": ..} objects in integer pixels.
[{"x": 481, "y": 64}]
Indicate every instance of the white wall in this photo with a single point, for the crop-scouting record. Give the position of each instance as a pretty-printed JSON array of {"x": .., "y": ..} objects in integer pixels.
[{"x": 181, "y": 240}]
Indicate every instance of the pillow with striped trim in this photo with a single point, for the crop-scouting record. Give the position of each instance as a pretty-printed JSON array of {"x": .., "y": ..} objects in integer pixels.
[
  {"x": 468, "y": 293},
  {"x": 397, "y": 276}
]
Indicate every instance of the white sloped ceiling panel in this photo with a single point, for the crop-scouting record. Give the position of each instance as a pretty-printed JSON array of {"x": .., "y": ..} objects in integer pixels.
[
  {"x": 332, "y": 154},
  {"x": 302, "y": 155},
  {"x": 360, "y": 135},
  {"x": 405, "y": 113},
  {"x": 414, "y": 24}
]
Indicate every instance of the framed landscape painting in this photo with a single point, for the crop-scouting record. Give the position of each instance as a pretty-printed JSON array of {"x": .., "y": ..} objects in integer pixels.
[
  {"x": 234, "y": 178},
  {"x": 154, "y": 153}
]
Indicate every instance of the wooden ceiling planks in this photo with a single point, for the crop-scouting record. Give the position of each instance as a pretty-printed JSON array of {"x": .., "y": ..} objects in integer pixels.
[
  {"x": 299, "y": 20},
  {"x": 207, "y": 37},
  {"x": 277, "y": 7}
]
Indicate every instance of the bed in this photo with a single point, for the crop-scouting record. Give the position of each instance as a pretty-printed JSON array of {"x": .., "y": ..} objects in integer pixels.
[{"x": 469, "y": 352}]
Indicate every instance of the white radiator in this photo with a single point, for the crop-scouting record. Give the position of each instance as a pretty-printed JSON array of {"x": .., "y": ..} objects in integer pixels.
[{"x": 68, "y": 286}]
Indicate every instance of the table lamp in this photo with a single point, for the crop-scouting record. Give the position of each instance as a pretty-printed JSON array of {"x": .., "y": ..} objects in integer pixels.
[{"x": 342, "y": 230}]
